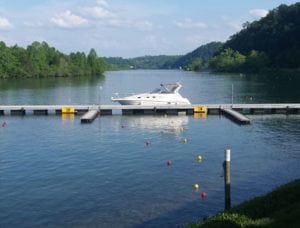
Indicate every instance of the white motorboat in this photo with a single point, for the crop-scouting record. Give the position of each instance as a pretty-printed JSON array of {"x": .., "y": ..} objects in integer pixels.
[{"x": 168, "y": 94}]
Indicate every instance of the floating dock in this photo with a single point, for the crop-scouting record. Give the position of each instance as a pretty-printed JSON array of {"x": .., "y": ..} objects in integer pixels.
[
  {"x": 89, "y": 116},
  {"x": 236, "y": 116},
  {"x": 89, "y": 112}
]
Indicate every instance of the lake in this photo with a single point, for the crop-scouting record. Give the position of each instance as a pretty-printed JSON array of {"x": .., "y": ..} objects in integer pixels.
[{"x": 56, "y": 172}]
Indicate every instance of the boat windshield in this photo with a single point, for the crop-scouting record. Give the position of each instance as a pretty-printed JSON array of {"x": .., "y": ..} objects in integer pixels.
[
  {"x": 167, "y": 88},
  {"x": 156, "y": 90}
]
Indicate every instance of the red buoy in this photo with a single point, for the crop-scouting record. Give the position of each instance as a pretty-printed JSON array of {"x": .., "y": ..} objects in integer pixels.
[
  {"x": 4, "y": 124},
  {"x": 123, "y": 126},
  {"x": 169, "y": 162},
  {"x": 148, "y": 143},
  {"x": 203, "y": 195}
]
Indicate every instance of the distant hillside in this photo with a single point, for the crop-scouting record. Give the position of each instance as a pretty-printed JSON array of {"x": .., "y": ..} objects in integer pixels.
[
  {"x": 277, "y": 35},
  {"x": 205, "y": 52},
  {"x": 144, "y": 62}
]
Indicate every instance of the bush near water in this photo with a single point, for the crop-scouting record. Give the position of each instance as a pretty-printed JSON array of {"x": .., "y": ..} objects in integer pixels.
[{"x": 279, "y": 208}]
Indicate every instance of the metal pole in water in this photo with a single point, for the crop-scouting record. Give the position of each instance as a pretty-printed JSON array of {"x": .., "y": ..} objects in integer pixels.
[
  {"x": 226, "y": 166},
  {"x": 232, "y": 94}
]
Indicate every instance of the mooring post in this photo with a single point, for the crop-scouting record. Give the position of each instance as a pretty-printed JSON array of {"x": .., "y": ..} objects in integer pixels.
[{"x": 226, "y": 166}]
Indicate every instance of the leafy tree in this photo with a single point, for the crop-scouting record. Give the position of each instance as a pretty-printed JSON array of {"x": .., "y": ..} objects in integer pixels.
[
  {"x": 196, "y": 65},
  {"x": 256, "y": 61},
  {"x": 9, "y": 65},
  {"x": 228, "y": 60},
  {"x": 41, "y": 60},
  {"x": 94, "y": 63}
]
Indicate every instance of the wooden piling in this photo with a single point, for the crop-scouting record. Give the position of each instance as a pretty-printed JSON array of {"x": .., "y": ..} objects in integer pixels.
[{"x": 227, "y": 179}]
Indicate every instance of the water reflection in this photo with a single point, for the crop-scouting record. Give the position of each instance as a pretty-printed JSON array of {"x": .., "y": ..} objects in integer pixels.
[
  {"x": 47, "y": 83},
  {"x": 163, "y": 124},
  {"x": 67, "y": 117}
]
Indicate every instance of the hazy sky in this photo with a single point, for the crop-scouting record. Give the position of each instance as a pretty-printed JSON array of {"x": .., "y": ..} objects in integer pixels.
[{"x": 127, "y": 28}]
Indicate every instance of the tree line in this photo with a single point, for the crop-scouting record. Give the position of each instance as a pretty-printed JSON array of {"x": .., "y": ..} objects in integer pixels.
[{"x": 40, "y": 60}]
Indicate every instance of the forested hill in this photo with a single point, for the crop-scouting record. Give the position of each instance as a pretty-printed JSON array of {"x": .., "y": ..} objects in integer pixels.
[
  {"x": 277, "y": 35},
  {"x": 197, "y": 58},
  {"x": 39, "y": 60},
  {"x": 144, "y": 62},
  {"x": 202, "y": 54}
]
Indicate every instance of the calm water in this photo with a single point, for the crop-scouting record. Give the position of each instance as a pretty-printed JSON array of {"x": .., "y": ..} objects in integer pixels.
[{"x": 56, "y": 172}]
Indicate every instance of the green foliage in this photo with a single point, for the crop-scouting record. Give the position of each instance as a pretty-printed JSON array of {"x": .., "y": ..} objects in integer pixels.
[
  {"x": 205, "y": 52},
  {"x": 228, "y": 60},
  {"x": 280, "y": 208},
  {"x": 39, "y": 60},
  {"x": 256, "y": 61},
  {"x": 196, "y": 65},
  {"x": 277, "y": 36}
]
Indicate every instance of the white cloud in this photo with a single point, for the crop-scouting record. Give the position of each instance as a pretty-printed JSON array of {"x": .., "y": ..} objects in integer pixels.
[
  {"x": 97, "y": 12},
  {"x": 5, "y": 24},
  {"x": 102, "y": 3},
  {"x": 69, "y": 20},
  {"x": 188, "y": 24},
  {"x": 258, "y": 13}
]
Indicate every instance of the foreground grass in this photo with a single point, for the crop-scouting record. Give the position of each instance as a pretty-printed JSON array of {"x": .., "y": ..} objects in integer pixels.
[{"x": 280, "y": 208}]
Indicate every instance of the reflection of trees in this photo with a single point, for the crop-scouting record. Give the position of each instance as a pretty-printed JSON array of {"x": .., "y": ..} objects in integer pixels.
[
  {"x": 271, "y": 89},
  {"x": 47, "y": 83}
]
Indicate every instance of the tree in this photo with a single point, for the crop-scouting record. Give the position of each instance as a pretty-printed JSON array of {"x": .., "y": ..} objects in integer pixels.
[
  {"x": 196, "y": 65},
  {"x": 256, "y": 61},
  {"x": 94, "y": 63},
  {"x": 228, "y": 61}
]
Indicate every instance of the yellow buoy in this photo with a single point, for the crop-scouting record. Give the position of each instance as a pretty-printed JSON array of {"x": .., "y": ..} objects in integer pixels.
[
  {"x": 199, "y": 158},
  {"x": 181, "y": 129},
  {"x": 185, "y": 140},
  {"x": 196, "y": 187}
]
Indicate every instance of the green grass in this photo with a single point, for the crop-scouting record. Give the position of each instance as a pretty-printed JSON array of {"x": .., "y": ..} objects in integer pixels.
[{"x": 279, "y": 208}]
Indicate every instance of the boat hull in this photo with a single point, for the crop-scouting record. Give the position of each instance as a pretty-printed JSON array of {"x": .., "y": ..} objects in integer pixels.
[{"x": 152, "y": 103}]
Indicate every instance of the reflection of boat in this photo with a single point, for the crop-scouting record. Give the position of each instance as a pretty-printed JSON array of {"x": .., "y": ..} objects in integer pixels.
[
  {"x": 166, "y": 95},
  {"x": 173, "y": 124}
]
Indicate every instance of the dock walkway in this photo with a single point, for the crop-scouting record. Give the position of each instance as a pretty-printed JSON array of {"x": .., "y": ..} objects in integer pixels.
[{"x": 235, "y": 111}]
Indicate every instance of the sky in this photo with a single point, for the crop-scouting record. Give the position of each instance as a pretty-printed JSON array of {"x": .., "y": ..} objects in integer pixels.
[{"x": 127, "y": 28}]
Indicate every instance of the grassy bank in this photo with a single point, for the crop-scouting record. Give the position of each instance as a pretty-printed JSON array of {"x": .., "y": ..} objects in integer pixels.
[{"x": 279, "y": 208}]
